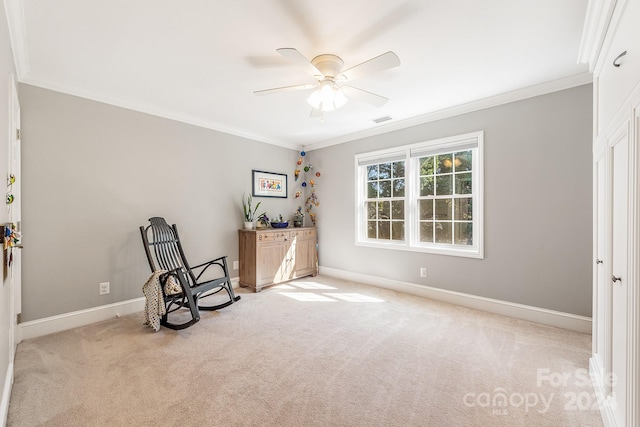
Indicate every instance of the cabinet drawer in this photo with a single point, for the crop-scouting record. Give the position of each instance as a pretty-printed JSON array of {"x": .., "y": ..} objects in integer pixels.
[
  {"x": 280, "y": 236},
  {"x": 615, "y": 84},
  {"x": 303, "y": 234}
]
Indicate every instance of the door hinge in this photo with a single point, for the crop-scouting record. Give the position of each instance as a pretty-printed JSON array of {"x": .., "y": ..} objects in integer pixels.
[
  {"x": 18, "y": 318},
  {"x": 17, "y": 133}
]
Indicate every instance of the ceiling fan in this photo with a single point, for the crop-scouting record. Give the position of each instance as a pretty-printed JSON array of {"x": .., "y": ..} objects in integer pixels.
[{"x": 330, "y": 94}]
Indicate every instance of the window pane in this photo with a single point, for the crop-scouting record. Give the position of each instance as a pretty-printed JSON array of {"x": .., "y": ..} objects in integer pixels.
[
  {"x": 397, "y": 230},
  {"x": 426, "y": 232},
  {"x": 426, "y": 186},
  {"x": 443, "y": 232},
  {"x": 426, "y": 209},
  {"x": 372, "y": 190},
  {"x": 372, "y": 172},
  {"x": 398, "y": 188},
  {"x": 426, "y": 165},
  {"x": 398, "y": 169},
  {"x": 445, "y": 163},
  {"x": 463, "y": 183},
  {"x": 385, "y": 188},
  {"x": 372, "y": 232},
  {"x": 443, "y": 209},
  {"x": 463, "y": 233},
  {"x": 443, "y": 185},
  {"x": 463, "y": 209},
  {"x": 371, "y": 210},
  {"x": 397, "y": 209},
  {"x": 384, "y": 230},
  {"x": 383, "y": 210},
  {"x": 385, "y": 171},
  {"x": 463, "y": 161}
]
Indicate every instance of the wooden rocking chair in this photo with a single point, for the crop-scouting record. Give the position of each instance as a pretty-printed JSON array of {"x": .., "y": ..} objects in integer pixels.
[{"x": 164, "y": 252}]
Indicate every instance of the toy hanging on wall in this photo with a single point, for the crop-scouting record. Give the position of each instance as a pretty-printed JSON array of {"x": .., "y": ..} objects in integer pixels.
[{"x": 312, "y": 200}]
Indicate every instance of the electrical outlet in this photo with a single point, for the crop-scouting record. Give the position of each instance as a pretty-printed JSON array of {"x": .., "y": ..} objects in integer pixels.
[
  {"x": 235, "y": 265},
  {"x": 423, "y": 272},
  {"x": 104, "y": 288}
]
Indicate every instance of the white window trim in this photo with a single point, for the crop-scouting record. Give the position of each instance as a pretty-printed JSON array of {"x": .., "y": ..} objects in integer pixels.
[{"x": 412, "y": 242}]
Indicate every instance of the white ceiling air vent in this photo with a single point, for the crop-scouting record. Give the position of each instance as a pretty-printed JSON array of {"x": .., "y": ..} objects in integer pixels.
[{"x": 382, "y": 119}]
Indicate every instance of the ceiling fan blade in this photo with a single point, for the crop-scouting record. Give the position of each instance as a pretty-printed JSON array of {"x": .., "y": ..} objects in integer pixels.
[
  {"x": 296, "y": 57},
  {"x": 284, "y": 89},
  {"x": 373, "y": 65},
  {"x": 364, "y": 96}
]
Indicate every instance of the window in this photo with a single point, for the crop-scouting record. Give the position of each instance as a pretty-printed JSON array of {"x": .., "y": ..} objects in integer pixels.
[{"x": 423, "y": 197}]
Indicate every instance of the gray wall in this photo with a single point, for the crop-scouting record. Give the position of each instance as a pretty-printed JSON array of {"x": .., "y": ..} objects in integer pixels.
[
  {"x": 93, "y": 173},
  {"x": 537, "y": 205}
]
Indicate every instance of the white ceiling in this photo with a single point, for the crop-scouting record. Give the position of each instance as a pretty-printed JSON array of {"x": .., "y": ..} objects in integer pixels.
[{"x": 199, "y": 61}]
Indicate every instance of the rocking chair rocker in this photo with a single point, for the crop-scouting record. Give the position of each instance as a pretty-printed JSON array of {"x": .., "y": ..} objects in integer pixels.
[{"x": 164, "y": 252}]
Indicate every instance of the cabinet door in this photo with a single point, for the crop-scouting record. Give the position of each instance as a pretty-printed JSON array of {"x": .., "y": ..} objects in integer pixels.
[
  {"x": 615, "y": 83},
  {"x": 305, "y": 257},
  {"x": 272, "y": 263},
  {"x": 620, "y": 279}
]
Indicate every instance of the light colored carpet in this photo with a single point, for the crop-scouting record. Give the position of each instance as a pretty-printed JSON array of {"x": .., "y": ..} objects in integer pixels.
[{"x": 314, "y": 352}]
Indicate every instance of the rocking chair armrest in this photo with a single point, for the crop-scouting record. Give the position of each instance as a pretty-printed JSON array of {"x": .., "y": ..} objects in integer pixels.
[
  {"x": 220, "y": 262},
  {"x": 209, "y": 262}
]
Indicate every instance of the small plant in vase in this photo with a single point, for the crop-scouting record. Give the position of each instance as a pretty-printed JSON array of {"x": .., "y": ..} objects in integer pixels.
[
  {"x": 250, "y": 212},
  {"x": 298, "y": 217},
  {"x": 263, "y": 221}
]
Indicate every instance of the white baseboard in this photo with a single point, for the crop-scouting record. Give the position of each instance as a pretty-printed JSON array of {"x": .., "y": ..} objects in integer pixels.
[
  {"x": 6, "y": 395},
  {"x": 62, "y": 322},
  {"x": 606, "y": 411},
  {"x": 519, "y": 311}
]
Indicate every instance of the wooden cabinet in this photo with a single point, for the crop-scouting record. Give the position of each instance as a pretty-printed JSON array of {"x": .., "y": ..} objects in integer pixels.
[
  {"x": 615, "y": 59},
  {"x": 276, "y": 255}
]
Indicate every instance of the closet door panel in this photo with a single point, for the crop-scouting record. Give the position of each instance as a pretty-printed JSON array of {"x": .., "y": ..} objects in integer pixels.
[{"x": 619, "y": 277}]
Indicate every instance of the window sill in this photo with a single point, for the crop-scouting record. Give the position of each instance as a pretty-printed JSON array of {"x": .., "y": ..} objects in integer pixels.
[{"x": 443, "y": 250}]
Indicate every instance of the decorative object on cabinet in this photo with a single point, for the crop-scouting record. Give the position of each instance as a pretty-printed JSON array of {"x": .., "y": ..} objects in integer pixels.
[
  {"x": 298, "y": 217},
  {"x": 263, "y": 221},
  {"x": 274, "y": 256},
  {"x": 269, "y": 184},
  {"x": 279, "y": 222},
  {"x": 250, "y": 212},
  {"x": 164, "y": 253}
]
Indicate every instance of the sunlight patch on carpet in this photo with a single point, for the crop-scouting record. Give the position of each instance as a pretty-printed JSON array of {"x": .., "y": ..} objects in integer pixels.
[
  {"x": 330, "y": 297},
  {"x": 307, "y": 297}
]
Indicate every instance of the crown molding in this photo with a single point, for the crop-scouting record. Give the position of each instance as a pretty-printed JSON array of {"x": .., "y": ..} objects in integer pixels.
[
  {"x": 151, "y": 109},
  {"x": 17, "y": 35},
  {"x": 505, "y": 98},
  {"x": 596, "y": 24}
]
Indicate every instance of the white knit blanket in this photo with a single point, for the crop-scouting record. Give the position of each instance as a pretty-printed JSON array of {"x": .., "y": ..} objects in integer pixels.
[{"x": 154, "y": 307}]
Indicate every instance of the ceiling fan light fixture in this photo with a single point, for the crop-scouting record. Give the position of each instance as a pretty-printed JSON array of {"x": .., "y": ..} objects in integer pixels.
[{"x": 327, "y": 97}]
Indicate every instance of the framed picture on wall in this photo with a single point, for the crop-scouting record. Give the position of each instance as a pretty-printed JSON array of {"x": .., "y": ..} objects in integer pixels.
[{"x": 269, "y": 184}]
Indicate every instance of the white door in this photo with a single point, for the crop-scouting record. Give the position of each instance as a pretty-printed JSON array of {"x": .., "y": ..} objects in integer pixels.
[
  {"x": 15, "y": 215},
  {"x": 602, "y": 288},
  {"x": 619, "y": 277}
]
